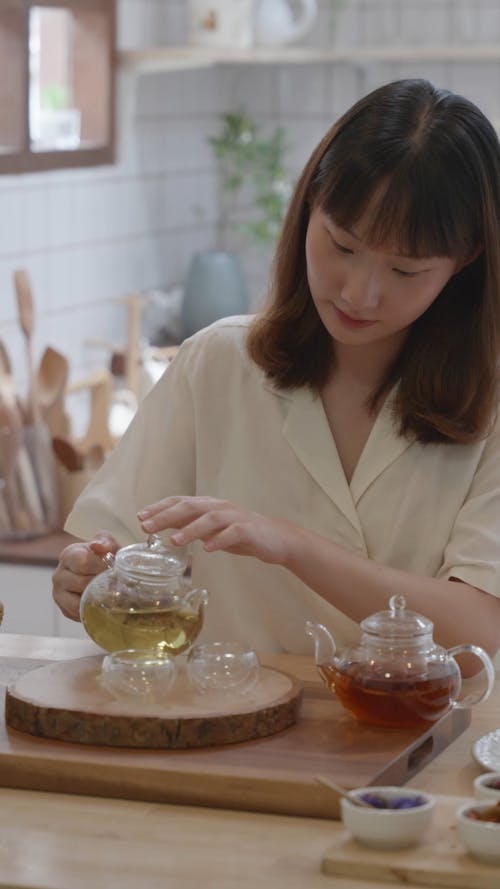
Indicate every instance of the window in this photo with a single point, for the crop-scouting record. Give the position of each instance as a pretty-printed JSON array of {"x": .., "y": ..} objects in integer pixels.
[{"x": 56, "y": 83}]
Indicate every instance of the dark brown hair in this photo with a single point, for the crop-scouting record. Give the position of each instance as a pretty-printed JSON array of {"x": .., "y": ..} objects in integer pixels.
[{"x": 429, "y": 160}]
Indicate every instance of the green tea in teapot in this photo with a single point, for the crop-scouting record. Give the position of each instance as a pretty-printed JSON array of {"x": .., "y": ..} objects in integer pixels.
[
  {"x": 170, "y": 629},
  {"x": 143, "y": 601}
]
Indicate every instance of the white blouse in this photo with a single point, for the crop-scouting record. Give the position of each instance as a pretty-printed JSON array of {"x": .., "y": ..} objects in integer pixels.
[{"x": 214, "y": 425}]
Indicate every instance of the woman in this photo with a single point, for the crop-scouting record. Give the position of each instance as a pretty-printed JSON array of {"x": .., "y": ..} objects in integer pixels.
[{"x": 344, "y": 440}]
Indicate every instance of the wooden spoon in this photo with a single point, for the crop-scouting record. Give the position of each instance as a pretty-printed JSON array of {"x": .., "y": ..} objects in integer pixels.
[
  {"x": 321, "y": 779},
  {"x": 53, "y": 373},
  {"x": 67, "y": 454},
  {"x": 100, "y": 385},
  {"x": 26, "y": 321},
  {"x": 8, "y": 389},
  {"x": 39, "y": 442}
]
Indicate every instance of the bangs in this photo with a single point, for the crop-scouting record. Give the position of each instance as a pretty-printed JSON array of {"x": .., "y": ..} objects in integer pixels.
[{"x": 406, "y": 203}]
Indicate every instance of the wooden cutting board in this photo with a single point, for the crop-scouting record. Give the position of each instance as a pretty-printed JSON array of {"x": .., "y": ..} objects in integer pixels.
[
  {"x": 274, "y": 774},
  {"x": 439, "y": 860}
]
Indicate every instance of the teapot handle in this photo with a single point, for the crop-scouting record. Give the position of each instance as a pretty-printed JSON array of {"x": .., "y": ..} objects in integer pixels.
[
  {"x": 109, "y": 559},
  {"x": 472, "y": 699},
  {"x": 197, "y": 597}
]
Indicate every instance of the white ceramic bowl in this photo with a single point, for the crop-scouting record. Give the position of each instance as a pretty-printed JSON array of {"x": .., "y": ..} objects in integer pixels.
[
  {"x": 482, "y": 791},
  {"x": 140, "y": 676},
  {"x": 481, "y": 838},
  {"x": 387, "y": 828},
  {"x": 223, "y": 667}
]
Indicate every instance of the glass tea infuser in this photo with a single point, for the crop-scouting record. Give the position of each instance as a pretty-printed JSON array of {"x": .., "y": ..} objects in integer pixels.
[{"x": 397, "y": 676}]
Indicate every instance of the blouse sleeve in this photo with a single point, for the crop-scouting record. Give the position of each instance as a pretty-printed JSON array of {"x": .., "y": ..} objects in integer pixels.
[
  {"x": 154, "y": 459},
  {"x": 473, "y": 551}
]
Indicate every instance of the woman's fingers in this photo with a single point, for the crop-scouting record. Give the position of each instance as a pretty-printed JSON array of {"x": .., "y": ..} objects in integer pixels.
[
  {"x": 69, "y": 604},
  {"x": 102, "y": 543},
  {"x": 235, "y": 538},
  {"x": 204, "y": 527},
  {"x": 219, "y": 525},
  {"x": 177, "y": 512},
  {"x": 78, "y": 564},
  {"x": 152, "y": 509}
]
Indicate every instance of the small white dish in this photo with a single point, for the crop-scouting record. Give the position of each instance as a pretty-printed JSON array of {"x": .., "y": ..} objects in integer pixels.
[
  {"x": 486, "y": 751},
  {"x": 387, "y": 828},
  {"x": 480, "y": 838},
  {"x": 223, "y": 667},
  {"x": 144, "y": 677},
  {"x": 484, "y": 789}
]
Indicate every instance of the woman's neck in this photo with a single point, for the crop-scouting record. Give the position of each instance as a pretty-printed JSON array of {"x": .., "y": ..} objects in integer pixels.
[{"x": 366, "y": 366}]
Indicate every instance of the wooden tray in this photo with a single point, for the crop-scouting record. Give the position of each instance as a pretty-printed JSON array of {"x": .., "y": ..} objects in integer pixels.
[
  {"x": 275, "y": 774},
  {"x": 67, "y": 701},
  {"x": 439, "y": 860}
]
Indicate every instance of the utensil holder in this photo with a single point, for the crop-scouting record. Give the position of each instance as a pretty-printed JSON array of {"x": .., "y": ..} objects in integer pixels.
[{"x": 29, "y": 504}]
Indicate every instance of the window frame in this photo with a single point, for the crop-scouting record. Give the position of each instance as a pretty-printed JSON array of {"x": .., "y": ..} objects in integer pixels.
[{"x": 26, "y": 160}]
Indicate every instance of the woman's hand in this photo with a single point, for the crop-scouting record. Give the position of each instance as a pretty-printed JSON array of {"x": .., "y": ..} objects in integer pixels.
[
  {"x": 78, "y": 564},
  {"x": 221, "y": 525}
]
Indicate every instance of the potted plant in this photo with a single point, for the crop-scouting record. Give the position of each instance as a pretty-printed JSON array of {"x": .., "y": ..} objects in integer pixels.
[
  {"x": 56, "y": 124},
  {"x": 252, "y": 166}
]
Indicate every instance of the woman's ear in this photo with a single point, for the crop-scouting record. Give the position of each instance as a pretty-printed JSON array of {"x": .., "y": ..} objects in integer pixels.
[{"x": 474, "y": 255}]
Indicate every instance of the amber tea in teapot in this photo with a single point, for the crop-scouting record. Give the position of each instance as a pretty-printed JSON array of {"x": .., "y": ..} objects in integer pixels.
[
  {"x": 396, "y": 701},
  {"x": 143, "y": 601},
  {"x": 397, "y": 676}
]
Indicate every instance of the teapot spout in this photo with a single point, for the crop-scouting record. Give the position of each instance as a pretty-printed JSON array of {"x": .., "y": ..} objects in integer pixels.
[{"x": 324, "y": 645}]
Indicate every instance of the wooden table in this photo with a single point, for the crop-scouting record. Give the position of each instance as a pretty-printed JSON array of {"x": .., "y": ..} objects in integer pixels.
[{"x": 56, "y": 841}]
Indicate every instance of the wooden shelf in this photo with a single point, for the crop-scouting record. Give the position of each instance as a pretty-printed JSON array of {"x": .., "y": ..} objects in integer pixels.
[{"x": 175, "y": 58}]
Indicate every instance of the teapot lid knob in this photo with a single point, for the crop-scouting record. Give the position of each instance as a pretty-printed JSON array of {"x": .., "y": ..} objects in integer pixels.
[{"x": 397, "y": 604}]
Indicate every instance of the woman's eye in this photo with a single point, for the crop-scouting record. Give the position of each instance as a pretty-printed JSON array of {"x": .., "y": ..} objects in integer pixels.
[
  {"x": 404, "y": 274},
  {"x": 340, "y": 247}
]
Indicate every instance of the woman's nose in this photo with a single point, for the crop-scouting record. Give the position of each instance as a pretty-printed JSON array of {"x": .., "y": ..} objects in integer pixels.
[{"x": 362, "y": 289}]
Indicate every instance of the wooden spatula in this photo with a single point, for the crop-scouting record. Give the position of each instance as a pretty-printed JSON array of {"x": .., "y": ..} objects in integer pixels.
[
  {"x": 39, "y": 443},
  {"x": 26, "y": 321},
  {"x": 53, "y": 373}
]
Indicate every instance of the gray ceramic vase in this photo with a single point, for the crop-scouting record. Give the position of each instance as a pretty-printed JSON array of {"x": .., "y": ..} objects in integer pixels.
[{"x": 215, "y": 288}]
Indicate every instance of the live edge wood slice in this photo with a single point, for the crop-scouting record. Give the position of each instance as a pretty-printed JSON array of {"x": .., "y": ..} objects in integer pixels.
[{"x": 67, "y": 701}]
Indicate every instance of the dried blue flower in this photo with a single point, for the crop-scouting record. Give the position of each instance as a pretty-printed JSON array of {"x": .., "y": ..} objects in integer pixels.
[{"x": 398, "y": 802}]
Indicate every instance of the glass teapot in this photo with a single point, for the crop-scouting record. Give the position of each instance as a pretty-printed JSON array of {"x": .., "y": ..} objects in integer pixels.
[
  {"x": 143, "y": 601},
  {"x": 397, "y": 676}
]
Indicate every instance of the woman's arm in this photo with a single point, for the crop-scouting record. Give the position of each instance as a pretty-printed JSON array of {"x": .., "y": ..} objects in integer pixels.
[{"x": 355, "y": 585}]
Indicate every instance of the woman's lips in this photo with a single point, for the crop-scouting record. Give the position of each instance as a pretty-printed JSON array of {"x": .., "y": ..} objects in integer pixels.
[{"x": 351, "y": 322}]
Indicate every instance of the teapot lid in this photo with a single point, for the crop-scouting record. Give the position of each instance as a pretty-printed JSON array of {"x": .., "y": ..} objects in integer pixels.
[
  {"x": 150, "y": 560},
  {"x": 397, "y": 623}
]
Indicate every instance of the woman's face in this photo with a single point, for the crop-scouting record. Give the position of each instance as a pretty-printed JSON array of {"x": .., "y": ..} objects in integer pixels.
[{"x": 362, "y": 294}]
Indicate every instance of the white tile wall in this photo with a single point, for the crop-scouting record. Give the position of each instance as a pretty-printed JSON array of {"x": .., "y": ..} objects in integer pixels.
[{"x": 89, "y": 236}]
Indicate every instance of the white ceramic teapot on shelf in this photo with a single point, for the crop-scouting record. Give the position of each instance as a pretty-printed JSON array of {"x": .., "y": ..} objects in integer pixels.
[
  {"x": 276, "y": 25},
  {"x": 220, "y": 24}
]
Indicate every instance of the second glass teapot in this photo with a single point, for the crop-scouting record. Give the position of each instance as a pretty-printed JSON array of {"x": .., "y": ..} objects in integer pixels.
[
  {"x": 397, "y": 676},
  {"x": 143, "y": 601}
]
